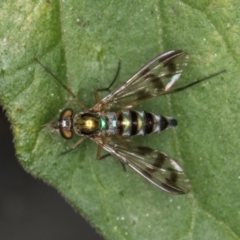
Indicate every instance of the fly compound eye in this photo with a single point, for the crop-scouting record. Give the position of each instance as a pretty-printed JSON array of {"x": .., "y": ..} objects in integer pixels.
[
  {"x": 66, "y": 113},
  {"x": 66, "y": 133}
]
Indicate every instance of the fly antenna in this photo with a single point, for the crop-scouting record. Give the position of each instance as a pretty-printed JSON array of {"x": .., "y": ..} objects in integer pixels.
[{"x": 62, "y": 84}]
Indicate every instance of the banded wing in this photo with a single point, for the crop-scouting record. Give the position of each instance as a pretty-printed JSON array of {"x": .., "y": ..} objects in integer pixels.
[
  {"x": 154, "y": 79},
  {"x": 155, "y": 166}
]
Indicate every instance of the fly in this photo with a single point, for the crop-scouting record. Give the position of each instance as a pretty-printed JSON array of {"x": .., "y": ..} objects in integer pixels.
[{"x": 112, "y": 119}]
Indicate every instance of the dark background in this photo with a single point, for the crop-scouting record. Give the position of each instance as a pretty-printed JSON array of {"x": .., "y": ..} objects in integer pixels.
[{"x": 29, "y": 208}]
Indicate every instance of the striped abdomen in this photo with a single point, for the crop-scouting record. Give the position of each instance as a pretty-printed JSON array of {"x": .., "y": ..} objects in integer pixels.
[{"x": 130, "y": 123}]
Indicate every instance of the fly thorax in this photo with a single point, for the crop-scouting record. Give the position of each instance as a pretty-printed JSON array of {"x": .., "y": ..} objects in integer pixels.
[{"x": 88, "y": 123}]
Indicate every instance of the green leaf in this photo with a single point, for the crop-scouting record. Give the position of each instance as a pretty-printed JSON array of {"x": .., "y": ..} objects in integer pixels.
[{"x": 81, "y": 42}]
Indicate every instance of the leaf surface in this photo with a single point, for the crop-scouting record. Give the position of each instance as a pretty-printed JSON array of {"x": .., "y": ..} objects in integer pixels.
[{"x": 81, "y": 42}]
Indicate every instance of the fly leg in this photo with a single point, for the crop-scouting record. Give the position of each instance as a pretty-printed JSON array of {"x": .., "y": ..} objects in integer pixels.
[
  {"x": 99, "y": 157},
  {"x": 75, "y": 98},
  {"x": 98, "y": 99},
  {"x": 73, "y": 146}
]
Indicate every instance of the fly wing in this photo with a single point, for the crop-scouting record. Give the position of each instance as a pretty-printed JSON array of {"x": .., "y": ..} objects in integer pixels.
[
  {"x": 154, "y": 79},
  {"x": 155, "y": 166}
]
